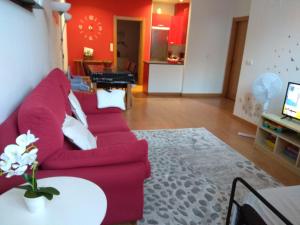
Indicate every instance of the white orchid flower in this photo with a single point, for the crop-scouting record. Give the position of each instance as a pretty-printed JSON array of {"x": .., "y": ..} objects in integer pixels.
[
  {"x": 5, "y": 166},
  {"x": 34, "y": 151},
  {"x": 10, "y": 173},
  {"x": 15, "y": 166},
  {"x": 26, "y": 139},
  {"x": 13, "y": 152},
  {"x": 16, "y": 158},
  {"x": 28, "y": 158},
  {"x": 5, "y": 159},
  {"x": 21, "y": 170}
]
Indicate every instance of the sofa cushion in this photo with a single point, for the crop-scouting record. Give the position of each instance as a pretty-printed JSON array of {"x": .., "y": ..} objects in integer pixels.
[
  {"x": 43, "y": 112},
  {"x": 9, "y": 131},
  {"x": 78, "y": 134},
  {"x": 43, "y": 124},
  {"x": 104, "y": 156},
  {"x": 106, "y": 122},
  {"x": 117, "y": 138},
  {"x": 106, "y": 140},
  {"x": 114, "y": 98},
  {"x": 76, "y": 109},
  {"x": 88, "y": 102},
  {"x": 59, "y": 79}
]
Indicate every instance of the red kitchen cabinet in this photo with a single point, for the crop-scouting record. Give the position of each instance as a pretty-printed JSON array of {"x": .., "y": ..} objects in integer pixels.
[
  {"x": 179, "y": 24},
  {"x": 186, "y": 13},
  {"x": 160, "y": 20},
  {"x": 180, "y": 8},
  {"x": 176, "y": 33}
]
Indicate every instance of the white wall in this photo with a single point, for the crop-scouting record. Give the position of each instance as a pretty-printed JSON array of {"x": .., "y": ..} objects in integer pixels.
[
  {"x": 242, "y": 8},
  {"x": 208, "y": 40},
  {"x": 29, "y": 46},
  {"x": 273, "y": 39}
]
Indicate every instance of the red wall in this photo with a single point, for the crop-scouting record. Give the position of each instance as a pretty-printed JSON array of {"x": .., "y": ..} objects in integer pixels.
[{"x": 104, "y": 10}]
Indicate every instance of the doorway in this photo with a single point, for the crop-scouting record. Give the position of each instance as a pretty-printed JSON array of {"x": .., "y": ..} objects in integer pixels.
[
  {"x": 129, "y": 42},
  {"x": 235, "y": 56}
]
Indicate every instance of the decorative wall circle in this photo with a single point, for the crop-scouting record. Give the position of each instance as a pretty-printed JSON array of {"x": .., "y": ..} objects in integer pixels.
[{"x": 90, "y": 27}]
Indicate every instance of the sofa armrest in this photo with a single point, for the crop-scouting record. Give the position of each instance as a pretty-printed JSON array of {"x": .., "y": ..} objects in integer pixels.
[
  {"x": 113, "y": 155},
  {"x": 89, "y": 103}
]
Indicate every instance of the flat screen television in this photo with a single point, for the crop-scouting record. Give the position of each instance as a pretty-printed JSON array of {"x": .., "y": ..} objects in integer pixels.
[{"x": 291, "y": 107}]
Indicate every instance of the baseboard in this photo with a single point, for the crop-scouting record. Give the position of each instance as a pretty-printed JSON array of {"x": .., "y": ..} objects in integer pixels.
[
  {"x": 164, "y": 94},
  {"x": 213, "y": 95},
  {"x": 208, "y": 95},
  {"x": 245, "y": 121}
]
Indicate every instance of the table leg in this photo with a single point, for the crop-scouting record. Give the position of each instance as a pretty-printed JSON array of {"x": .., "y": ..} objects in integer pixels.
[
  {"x": 77, "y": 68},
  {"x": 128, "y": 97},
  {"x": 93, "y": 87}
]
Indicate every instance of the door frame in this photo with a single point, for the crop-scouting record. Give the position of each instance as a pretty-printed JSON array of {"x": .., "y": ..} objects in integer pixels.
[
  {"x": 141, "y": 47},
  {"x": 235, "y": 22}
]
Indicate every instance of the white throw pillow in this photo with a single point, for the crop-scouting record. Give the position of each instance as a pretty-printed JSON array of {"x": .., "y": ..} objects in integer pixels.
[
  {"x": 76, "y": 109},
  {"x": 78, "y": 134},
  {"x": 115, "y": 98}
]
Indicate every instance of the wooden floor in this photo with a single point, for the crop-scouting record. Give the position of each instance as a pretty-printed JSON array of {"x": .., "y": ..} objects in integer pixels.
[{"x": 215, "y": 114}]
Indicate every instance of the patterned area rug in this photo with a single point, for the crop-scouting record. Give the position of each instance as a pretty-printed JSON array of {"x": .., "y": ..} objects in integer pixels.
[{"x": 192, "y": 172}]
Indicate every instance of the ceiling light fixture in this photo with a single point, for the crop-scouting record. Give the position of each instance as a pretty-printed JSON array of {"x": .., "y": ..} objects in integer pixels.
[
  {"x": 159, "y": 11},
  {"x": 60, "y": 7},
  {"x": 67, "y": 16},
  {"x": 160, "y": 28}
]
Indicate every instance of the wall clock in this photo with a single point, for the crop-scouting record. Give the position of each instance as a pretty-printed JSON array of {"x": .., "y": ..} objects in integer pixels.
[{"x": 90, "y": 27}]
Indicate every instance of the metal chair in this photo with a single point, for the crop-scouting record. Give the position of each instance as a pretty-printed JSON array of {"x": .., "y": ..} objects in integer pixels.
[{"x": 246, "y": 215}]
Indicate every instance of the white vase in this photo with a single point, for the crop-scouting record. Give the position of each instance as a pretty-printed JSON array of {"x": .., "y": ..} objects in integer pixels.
[{"x": 35, "y": 205}]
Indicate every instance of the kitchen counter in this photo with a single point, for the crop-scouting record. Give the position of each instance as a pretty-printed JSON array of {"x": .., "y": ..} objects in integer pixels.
[
  {"x": 162, "y": 62},
  {"x": 162, "y": 77}
]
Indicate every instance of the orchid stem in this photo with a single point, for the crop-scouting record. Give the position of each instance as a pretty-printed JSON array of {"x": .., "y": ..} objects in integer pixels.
[{"x": 33, "y": 178}]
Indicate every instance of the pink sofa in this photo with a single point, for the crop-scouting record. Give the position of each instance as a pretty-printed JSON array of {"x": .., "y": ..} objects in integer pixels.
[{"x": 119, "y": 165}]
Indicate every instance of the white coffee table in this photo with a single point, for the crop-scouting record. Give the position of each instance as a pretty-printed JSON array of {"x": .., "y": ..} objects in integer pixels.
[{"x": 80, "y": 202}]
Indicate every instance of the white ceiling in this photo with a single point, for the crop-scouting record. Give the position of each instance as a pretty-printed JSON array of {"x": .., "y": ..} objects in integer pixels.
[{"x": 170, "y": 1}]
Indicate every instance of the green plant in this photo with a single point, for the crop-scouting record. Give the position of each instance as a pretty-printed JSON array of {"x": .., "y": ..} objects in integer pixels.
[
  {"x": 32, "y": 189},
  {"x": 16, "y": 160}
]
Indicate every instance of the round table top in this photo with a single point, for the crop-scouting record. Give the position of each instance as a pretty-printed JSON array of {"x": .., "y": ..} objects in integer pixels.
[{"x": 80, "y": 202}]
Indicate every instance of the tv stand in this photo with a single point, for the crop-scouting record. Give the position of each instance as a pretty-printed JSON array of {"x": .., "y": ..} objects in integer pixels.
[
  {"x": 287, "y": 117},
  {"x": 288, "y": 137}
]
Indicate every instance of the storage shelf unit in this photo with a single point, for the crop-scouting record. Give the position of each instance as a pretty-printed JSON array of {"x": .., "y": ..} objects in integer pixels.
[{"x": 290, "y": 136}]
